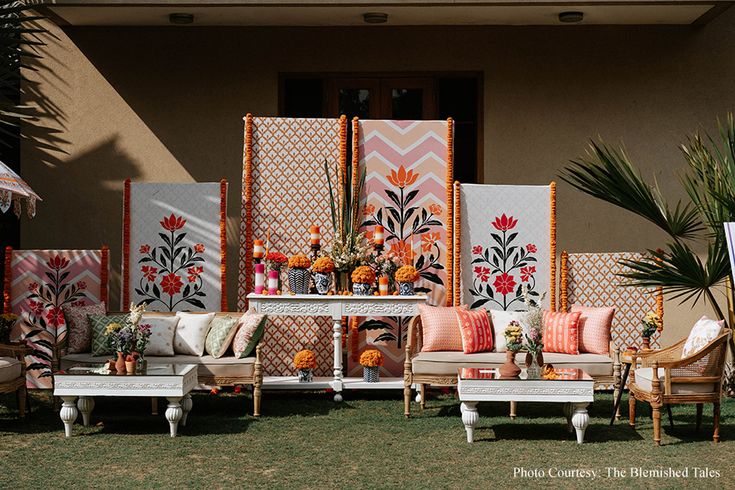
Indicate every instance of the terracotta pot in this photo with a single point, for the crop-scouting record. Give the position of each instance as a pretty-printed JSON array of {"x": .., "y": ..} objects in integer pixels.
[
  {"x": 510, "y": 369},
  {"x": 646, "y": 343},
  {"x": 120, "y": 363},
  {"x": 130, "y": 367}
]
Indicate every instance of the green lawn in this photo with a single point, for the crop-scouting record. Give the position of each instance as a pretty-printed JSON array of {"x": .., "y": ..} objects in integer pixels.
[{"x": 308, "y": 441}]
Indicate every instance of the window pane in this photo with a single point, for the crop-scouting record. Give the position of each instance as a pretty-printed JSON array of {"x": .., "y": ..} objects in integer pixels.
[
  {"x": 303, "y": 97},
  {"x": 354, "y": 102},
  {"x": 407, "y": 103}
]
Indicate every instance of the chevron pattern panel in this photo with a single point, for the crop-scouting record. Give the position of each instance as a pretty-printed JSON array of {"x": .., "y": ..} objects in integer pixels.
[
  {"x": 591, "y": 280},
  {"x": 407, "y": 190},
  {"x": 174, "y": 249},
  {"x": 42, "y": 281},
  {"x": 505, "y": 236},
  {"x": 284, "y": 192}
]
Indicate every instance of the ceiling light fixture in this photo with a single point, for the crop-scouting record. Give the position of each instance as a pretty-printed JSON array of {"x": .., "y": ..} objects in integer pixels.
[
  {"x": 375, "y": 17},
  {"x": 571, "y": 17},
  {"x": 181, "y": 18}
]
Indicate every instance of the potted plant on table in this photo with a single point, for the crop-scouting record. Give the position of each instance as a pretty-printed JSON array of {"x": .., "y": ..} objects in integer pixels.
[
  {"x": 321, "y": 272},
  {"x": 513, "y": 343},
  {"x": 305, "y": 362},
  {"x": 275, "y": 261},
  {"x": 120, "y": 339},
  {"x": 298, "y": 274},
  {"x": 362, "y": 280},
  {"x": 651, "y": 324},
  {"x": 371, "y": 360},
  {"x": 142, "y": 337},
  {"x": 405, "y": 277}
]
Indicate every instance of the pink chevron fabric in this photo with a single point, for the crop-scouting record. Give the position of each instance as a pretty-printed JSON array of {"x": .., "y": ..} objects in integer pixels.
[
  {"x": 477, "y": 334},
  {"x": 407, "y": 170},
  {"x": 561, "y": 332},
  {"x": 43, "y": 281},
  {"x": 440, "y": 328},
  {"x": 594, "y": 328}
]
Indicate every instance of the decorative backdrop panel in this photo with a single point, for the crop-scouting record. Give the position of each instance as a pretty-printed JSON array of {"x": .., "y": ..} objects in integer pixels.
[
  {"x": 37, "y": 284},
  {"x": 506, "y": 239},
  {"x": 590, "y": 279},
  {"x": 408, "y": 190},
  {"x": 285, "y": 191},
  {"x": 174, "y": 246}
]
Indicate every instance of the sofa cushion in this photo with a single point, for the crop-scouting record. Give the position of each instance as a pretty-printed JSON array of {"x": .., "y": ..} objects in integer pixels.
[
  {"x": 221, "y": 331},
  {"x": 561, "y": 332},
  {"x": 644, "y": 380},
  {"x": 227, "y": 367},
  {"x": 99, "y": 323},
  {"x": 477, "y": 334},
  {"x": 594, "y": 328},
  {"x": 191, "y": 333},
  {"x": 249, "y": 332},
  {"x": 10, "y": 369},
  {"x": 79, "y": 329},
  {"x": 163, "y": 329},
  {"x": 703, "y": 332},
  {"x": 447, "y": 363},
  {"x": 439, "y": 328}
]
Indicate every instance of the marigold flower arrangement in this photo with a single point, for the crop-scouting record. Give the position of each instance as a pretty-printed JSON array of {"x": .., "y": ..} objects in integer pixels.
[
  {"x": 363, "y": 275},
  {"x": 513, "y": 336},
  {"x": 323, "y": 265},
  {"x": 275, "y": 260},
  {"x": 407, "y": 273},
  {"x": 651, "y": 324},
  {"x": 299, "y": 261},
  {"x": 305, "y": 359},
  {"x": 371, "y": 358}
]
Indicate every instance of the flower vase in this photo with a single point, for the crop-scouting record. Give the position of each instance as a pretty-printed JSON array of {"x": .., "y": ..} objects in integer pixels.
[
  {"x": 130, "y": 367},
  {"x": 646, "y": 343},
  {"x": 533, "y": 363},
  {"x": 371, "y": 374},
  {"x": 306, "y": 375},
  {"x": 341, "y": 281},
  {"x": 141, "y": 365},
  {"x": 405, "y": 289},
  {"x": 509, "y": 369},
  {"x": 360, "y": 289},
  {"x": 299, "y": 281},
  {"x": 120, "y": 363},
  {"x": 322, "y": 282}
]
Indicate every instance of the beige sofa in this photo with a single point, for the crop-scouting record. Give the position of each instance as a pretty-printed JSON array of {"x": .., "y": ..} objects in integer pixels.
[
  {"x": 440, "y": 368},
  {"x": 225, "y": 371}
]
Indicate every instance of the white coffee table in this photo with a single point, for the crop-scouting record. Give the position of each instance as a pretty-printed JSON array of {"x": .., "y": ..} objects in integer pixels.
[
  {"x": 573, "y": 387},
  {"x": 172, "y": 381}
]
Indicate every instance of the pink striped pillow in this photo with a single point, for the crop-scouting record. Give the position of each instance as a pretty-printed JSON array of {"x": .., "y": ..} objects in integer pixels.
[
  {"x": 440, "y": 329},
  {"x": 560, "y": 332},
  {"x": 594, "y": 328},
  {"x": 477, "y": 334}
]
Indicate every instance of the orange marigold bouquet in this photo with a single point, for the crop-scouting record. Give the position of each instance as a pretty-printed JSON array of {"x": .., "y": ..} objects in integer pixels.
[
  {"x": 305, "y": 359},
  {"x": 407, "y": 273},
  {"x": 299, "y": 261},
  {"x": 371, "y": 358},
  {"x": 323, "y": 265},
  {"x": 363, "y": 275},
  {"x": 275, "y": 260}
]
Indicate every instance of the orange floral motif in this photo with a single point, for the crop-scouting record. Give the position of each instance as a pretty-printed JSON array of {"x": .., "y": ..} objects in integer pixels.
[
  {"x": 144, "y": 249},
  {"x": 305, "y": 359},
  {"x": 199, "y": 248},
  {"x": 402, "y": 178},
  {"x": 369, "y": 209},
  {"x": 402, "y": 250},
  {"x": 173, "y": 223},
  {"x": 371, "y": 358},
  {"x": 436, "y": 209},
  {"x": 428, "y": 240},
  {"x": 171, "y": 284}
]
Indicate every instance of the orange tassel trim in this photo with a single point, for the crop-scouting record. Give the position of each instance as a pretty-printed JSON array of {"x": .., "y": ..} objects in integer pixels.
[
  {"x": 457, "y": 246},
  {"x": 564, "y": 282},
  {"x": 223, "y": 242},
  {"x": 552, "y": 294},
  {"x": 450, "y": 211},
  {"x": 342, "y": 156},
  {"x": 8, "y": 280},
  {"x": 104, "y": 275},
  {"x": 126, "y": 245},
  {"x": 247, "y": 184},
  {"x": 354, "y": 333}
]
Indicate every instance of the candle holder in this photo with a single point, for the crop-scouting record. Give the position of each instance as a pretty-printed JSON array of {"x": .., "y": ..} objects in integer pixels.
[
  {"x": 315, "y": 248},
  {"x": 379, "y": 247}
]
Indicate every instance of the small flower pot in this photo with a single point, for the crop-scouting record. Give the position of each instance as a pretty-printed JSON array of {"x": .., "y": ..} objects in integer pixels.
[
  {"x": 510, "y": 369},
  {"x": 371, "y": 374},
  {"x": 120, "y": 363},
  {"x": 298, "y": 281},
  {"x": 405, "y": 289},
  {"x": 361, "y": 289},
  {"x": 306, "y": 375},
  {"x": 130, "y": 367},
  {"x": 322, "y": 282}
]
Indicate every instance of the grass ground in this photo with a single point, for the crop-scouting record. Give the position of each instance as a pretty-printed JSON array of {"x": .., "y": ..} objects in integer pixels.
[{"x": 308, "y": 441}]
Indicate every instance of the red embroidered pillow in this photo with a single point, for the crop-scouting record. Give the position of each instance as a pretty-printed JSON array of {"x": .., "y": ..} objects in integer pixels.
[
  {"x": 440, "y": 329},
  {"x": 561, "y": 332},
  {"x": 477, "y": 334},
  {"x": 594, "y": 328}
]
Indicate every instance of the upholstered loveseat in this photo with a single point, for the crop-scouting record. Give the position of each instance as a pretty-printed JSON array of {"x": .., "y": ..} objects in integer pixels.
[{"x": 227, "y": 370}]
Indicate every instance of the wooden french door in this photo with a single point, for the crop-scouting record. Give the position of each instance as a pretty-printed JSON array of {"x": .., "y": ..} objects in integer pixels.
[{"x": 382, "y": 98}]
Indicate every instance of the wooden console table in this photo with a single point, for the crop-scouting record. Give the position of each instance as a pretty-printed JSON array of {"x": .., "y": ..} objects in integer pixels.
[{"x": 336, "y": 307}]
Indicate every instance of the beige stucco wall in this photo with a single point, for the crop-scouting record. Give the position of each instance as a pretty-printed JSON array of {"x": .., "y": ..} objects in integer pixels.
[{"x": 166, "y": 104}]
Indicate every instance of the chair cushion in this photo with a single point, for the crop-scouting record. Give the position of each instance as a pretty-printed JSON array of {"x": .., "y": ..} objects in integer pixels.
[
  {"x": 501, "y": 319},
  {"x": 10, "y": 369},
  {"x": 477, "y": 334},
  {"x": 228, "y": 366},
  {"x": 440, "y": 329},
  {"x": 594, "y": 328},
  {"x": 644, "y": 381},
  {"x": 703, "y": 332},
  {"x": 78, "y": 326},
  {"x": 561, "y": 332},
  {"x": 447, "y": 363}
]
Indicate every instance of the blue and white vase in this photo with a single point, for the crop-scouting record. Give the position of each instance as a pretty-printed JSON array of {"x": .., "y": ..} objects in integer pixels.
[
  {"x": 306, "y": 375},
  {"x": 361, "y": 289},
  {"x": 405, "y": 289},
  {"x": 322, "y": 282},
  {"x": 371, "y": 374},
  {"x": 299, "y": 280}
]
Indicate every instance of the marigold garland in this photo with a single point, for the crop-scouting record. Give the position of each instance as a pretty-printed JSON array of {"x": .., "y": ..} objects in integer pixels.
[
  {"x": 564, "y": 282},
  {"x": 126, "y": 243},
  {"x": 104, "y": 274},
  {"x": 305, "y": 359},
  {"x": 223, "y": 243},
  {"x": 371, "y": 358},
  {"x": 457, "y": 246},
  {"x": 552, "y": 294},
  {"x": 323, "y": 265},
  {"x": 299, "y": 261},
  {"x": 407, "y": 273},
  {"x": 247, "y": 184},
  {"x": 8, "y": 279},
  {"x": 342, "y": 156},
  {"x": 450, "y": 210},
  {"x": 363, "y": 275}
]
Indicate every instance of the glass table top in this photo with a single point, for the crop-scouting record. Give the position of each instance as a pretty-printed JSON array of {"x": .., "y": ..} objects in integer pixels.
[
  {"x": 556, "y": 374},
  {"x": 151, "y": 370}
]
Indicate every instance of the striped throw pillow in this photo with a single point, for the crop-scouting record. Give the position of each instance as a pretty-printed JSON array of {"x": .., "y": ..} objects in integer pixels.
[
  {"x": 594, "y": 328},
  {"x": 477, "y": 334},
  {"x": 561, "y": 332}
]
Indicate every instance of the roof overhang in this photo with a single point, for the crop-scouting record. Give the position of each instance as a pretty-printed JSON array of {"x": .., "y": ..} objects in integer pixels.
[{"x": 400, "y": 12}]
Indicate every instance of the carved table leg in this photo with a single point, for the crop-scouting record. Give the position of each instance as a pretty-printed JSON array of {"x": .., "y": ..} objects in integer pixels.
[
  {"x": 568, "y": 415},
  {"x": 174, "y": 413},
  {"x": 513, "y": 407},
  {"x": 186, "y": 405},
  {"x": 580, "y": 420},
  {"x": 469, "y": 418},
  {"x": 337, "y": 383},
  {"x": 68, "y": 413},
  {"x": 85, "y": 404}
]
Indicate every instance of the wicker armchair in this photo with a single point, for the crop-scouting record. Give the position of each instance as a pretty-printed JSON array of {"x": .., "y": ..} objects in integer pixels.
[
  {"x": 664, "y": 378},
  {"x": 13, "y": 373}
]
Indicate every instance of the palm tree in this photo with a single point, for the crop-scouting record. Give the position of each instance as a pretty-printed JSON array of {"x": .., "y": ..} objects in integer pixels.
[{"x": 608, "y": 174}]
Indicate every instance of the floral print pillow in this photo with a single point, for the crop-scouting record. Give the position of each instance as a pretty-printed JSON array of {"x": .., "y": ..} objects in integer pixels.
[
  {"x": 703, "y": 332},
  {"x": 79, "y": 329}
]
